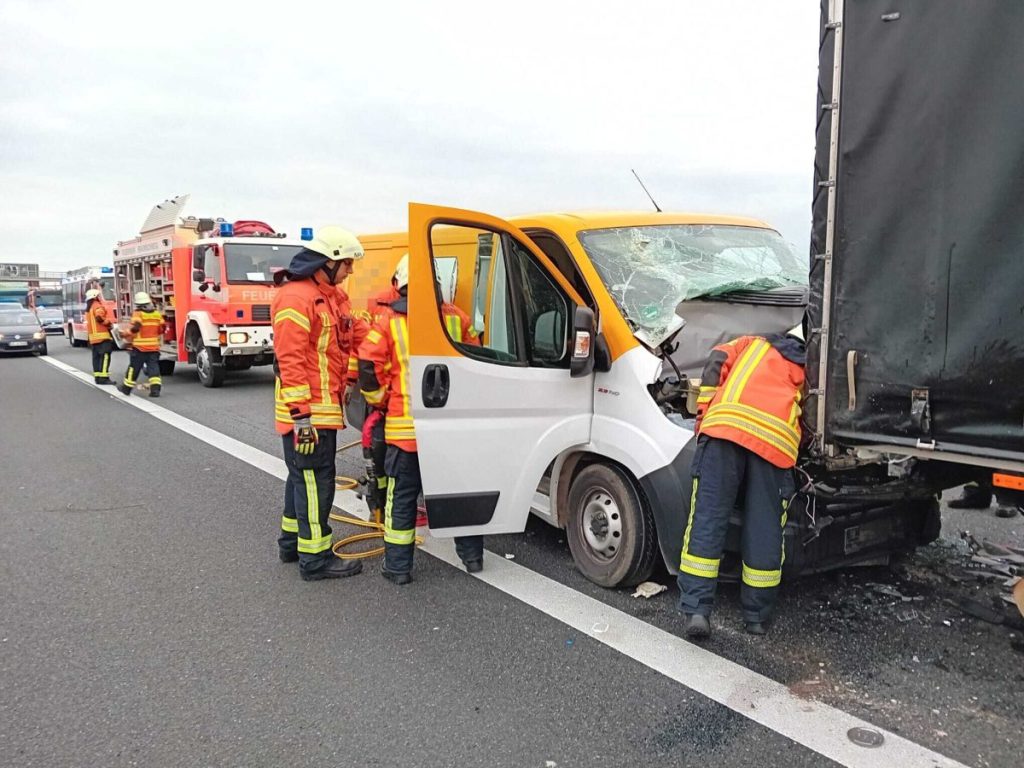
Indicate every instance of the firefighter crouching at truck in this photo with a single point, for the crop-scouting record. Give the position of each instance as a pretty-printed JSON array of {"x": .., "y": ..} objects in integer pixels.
[
  {"x": 384, "y": 381},
  {"x": 314, "y": 335},
  {"x": 748, "y": 427},
  {"x": 144, "y": 331},
  {"x": 98, "y": 323}
]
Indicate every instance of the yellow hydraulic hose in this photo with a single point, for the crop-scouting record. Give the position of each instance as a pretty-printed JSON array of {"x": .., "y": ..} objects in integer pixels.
[{"x": 376, "y": 526}]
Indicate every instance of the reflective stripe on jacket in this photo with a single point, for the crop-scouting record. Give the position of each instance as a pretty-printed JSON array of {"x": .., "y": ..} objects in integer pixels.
[
  {"x": 750, "y": 394},
  {"x": 146, "y": 328},
  {"x": 384, "y": 378},
  {"x": 314, "y": 335},
  {"x": 459, "y": 326},
  {"x": 97, "y": 322}
]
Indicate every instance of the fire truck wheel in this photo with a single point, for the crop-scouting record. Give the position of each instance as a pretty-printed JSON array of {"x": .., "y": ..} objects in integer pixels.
[
  {"x": 211, "y": 374},
  {"x": 611, "y": 530},
  {"x": 167, "y": 367}
]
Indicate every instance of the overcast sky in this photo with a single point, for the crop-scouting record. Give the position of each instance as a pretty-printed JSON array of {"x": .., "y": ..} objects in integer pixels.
[{"x": 314, "y": 113}]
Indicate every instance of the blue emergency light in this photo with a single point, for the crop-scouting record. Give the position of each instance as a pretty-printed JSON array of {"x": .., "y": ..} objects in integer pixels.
[
  {"x": 227, "y": 229},
  {"x": 307, "y": 233}
]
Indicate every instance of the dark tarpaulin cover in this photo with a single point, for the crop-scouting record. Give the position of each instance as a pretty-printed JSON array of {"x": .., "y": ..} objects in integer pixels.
[{"x": 928, "y": 261}]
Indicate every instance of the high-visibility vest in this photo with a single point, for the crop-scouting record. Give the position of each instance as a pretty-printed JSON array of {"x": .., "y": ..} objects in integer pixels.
[
  {"x": 146, "y": 327},
  {"x": 315, "y": 333},
  {"x": 97, "y": 323},
  {"x": 750, "y": 394}
]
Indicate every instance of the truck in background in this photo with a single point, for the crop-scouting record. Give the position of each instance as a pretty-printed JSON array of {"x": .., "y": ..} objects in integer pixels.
[
  {"x": 212, "y": 280},
  {"x": 916, "y": 338}
]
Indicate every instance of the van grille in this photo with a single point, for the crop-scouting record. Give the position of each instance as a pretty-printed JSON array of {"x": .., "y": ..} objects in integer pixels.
[{"x": 261, "y": 313}]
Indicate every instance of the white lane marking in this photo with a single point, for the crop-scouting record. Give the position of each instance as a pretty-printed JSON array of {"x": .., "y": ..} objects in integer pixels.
[
  {"x": 811, "y": 724},
  {"x": 243, "y": 451}
]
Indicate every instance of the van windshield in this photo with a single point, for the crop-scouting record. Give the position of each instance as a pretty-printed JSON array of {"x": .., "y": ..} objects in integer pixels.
[
  {"x": 650, "y": 270},
  {"x": 257, "y": 262}
]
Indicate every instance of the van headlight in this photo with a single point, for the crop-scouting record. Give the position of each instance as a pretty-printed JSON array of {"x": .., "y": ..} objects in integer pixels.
[{"x": 238, "y": 337}]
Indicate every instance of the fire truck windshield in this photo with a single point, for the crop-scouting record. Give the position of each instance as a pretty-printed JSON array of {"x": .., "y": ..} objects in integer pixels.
[{"x": 256, "y": 262}]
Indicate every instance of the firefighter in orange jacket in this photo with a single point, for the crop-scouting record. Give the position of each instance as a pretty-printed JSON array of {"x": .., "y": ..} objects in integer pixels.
[
  {"x": 98, "y": 323},
  {"x": 748, "y": 427},
  {"x": 384, "y": 381},
  {"x": 314, "y": 335},
  {"x": 145, "y": 329}
]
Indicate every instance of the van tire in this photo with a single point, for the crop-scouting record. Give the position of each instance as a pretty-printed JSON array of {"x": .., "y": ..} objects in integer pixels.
[
  {"x": 611, "y": 530},
  {"x": 211, "y": 374}
]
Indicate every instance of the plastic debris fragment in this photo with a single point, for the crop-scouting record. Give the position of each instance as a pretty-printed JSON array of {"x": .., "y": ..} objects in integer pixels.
[{"x": 649, "y": 589}]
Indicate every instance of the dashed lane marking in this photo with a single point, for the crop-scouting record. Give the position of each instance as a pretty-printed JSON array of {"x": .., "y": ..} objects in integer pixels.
[{"x": 811, "y": 724}]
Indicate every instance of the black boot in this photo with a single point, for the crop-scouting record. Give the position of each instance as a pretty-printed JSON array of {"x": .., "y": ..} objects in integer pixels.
[
  {"x": 154, "y": 390},
  {"x": 335, "y": 568},
  {"x": 696, "y": 627},
  {"x": 394, "y": 577},
  {"x": 973, "y": 497},
  {"x": 756, "y": 627},
  {"x": 124, "y": 389},
  {"x": 104, "y": 382},
  {"x": 474, "y": 566}
]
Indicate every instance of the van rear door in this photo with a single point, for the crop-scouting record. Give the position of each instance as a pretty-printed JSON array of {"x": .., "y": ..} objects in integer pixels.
[{"x": 492, "y": 396}]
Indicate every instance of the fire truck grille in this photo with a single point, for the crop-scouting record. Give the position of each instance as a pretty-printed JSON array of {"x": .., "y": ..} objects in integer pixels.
[{"x": 261, "y": 313}]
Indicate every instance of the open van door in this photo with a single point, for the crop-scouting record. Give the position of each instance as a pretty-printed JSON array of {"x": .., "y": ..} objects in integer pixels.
[{"x": 500, "y": 386}]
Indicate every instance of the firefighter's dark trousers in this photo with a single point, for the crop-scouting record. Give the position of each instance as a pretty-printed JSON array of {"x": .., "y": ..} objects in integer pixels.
[
  {"x": 726, "y": 475},
  {"x": 143, "y": 362},
  {"x": 404, "y": 487},
  {"x": 308, "y": 498},
  {"x": 101, "y": 351}
]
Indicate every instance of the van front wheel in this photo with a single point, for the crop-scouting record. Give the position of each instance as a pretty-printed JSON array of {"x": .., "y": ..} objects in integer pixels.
[{"x": 611, "y": 531}]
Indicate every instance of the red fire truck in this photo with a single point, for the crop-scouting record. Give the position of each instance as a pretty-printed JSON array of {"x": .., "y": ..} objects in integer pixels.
[{"x": 213, "y": 281}]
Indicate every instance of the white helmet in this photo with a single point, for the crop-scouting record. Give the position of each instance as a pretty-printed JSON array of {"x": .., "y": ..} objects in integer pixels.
[
  {"x": 92, "y": 293},
  {"x": 142, "y": 298},
  {"x": 336, "y": 243},
  {"x": 401, "y": 277}
]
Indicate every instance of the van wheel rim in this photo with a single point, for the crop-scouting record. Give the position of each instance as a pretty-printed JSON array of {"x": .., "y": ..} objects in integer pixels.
[{"x": 602, "y": 524}]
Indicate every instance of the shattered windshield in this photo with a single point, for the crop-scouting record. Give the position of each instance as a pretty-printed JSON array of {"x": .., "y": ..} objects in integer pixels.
[{"x": 650, "y": 270}]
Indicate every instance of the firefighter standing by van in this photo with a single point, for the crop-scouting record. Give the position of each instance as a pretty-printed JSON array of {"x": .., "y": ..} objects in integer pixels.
[
  {"x": 314, "y": 335},
  {"x": 748, "y": 427},
  {"x": 384, "y": 381},
  {"x": 144, "y": 330},
  {"x": 101, "y": 342}
]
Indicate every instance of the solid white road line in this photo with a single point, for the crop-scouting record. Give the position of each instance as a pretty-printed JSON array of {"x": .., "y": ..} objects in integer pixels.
[{"x": 811, "y": 724}]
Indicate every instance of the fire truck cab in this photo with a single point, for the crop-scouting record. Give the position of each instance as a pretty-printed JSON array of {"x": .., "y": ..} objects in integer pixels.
[{"x": 212, "y": 280}]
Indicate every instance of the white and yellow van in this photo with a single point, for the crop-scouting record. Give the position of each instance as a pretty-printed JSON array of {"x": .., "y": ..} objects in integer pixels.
[{"x": 594, "y": 328}]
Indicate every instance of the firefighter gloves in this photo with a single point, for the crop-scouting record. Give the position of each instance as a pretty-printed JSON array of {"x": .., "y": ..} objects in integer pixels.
[{"x": 306, "y": 437}]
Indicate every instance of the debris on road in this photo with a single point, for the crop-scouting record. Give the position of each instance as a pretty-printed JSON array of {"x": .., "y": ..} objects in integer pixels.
[{"x": 649, "y": 589}]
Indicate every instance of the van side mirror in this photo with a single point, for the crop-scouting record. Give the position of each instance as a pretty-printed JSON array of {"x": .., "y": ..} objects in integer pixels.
[{"x": 583, "y": 337}]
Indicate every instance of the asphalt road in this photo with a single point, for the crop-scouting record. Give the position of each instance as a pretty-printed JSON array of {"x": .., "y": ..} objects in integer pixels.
[{"x": 144, "y": 620}]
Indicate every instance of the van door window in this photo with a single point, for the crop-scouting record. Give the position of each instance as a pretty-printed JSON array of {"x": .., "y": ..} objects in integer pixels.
[
  {"x": 517, "y": 313},
  {"x": 545, "y": 310}
]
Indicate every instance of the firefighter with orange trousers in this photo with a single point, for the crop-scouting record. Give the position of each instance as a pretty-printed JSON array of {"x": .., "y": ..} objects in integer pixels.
[
  {"x": 384, "y": 381},
  {"x": 144, "y": 330},
  {"x": 98, "y": 324},
  {"x": 314, "y": 335},
  {"x": 748, "y": 427}
]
